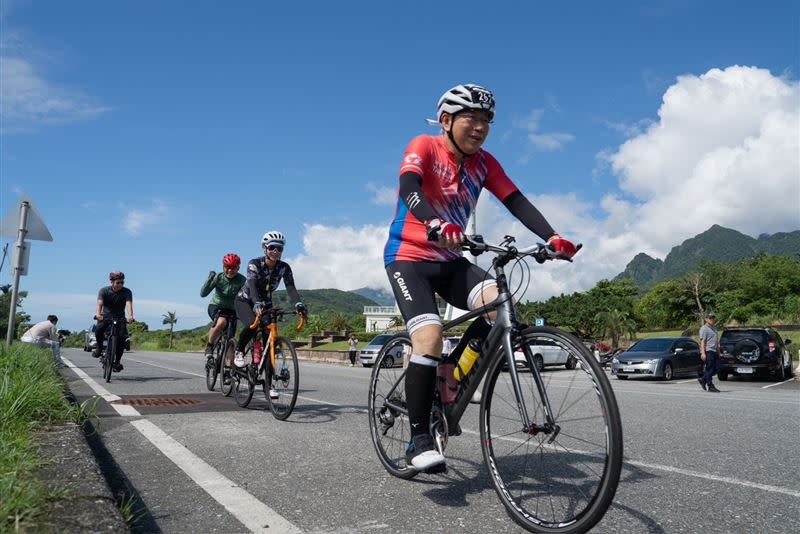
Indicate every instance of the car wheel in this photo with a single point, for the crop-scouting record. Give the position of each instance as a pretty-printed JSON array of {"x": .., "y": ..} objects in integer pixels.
[
  {"x": 388, "y": 361},
  {"x": 722, "y": 375},
  {"x": 622, "y": 377},
  {"x": 667, "y": 371},
  {"x": 538, "y": 361},
  {"x": 570, "y": 363},
  {"x": 782, "y": 373}
]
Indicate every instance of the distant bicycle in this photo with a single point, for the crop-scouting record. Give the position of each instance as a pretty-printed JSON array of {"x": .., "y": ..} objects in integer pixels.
[
  {"x": 223, "y": 351},
  {"x": 277, "y": 371},
  {"x": 552, "y": 446}
]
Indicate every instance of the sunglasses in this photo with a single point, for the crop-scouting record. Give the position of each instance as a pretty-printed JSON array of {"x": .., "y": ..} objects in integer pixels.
[
  {"x": 120, "y": 282},
  {"x": 275, "y": 247}
]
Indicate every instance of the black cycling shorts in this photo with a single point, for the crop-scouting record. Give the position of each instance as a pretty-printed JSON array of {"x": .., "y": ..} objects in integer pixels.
[
  {"x": 214, "y": 311},
  {"x": 414, "y": 284}
]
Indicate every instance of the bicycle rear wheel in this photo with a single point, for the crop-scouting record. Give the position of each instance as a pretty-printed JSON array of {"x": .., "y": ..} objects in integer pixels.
[
  {"x": 558, "y": 479},
  {"x": 284, "y": 379},
  {"x": 388, "y": 415}
]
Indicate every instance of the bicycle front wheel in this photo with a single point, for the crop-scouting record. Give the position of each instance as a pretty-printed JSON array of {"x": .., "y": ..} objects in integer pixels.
[
  {"x": 284, "y": 380},
  {"x": 557, "y": 475},
  {"x": 388, "y": 414},
  {"x": 212, "y": 366},
  {"x": 226, "y": 380},
  {"x": 108, "y": 362}
]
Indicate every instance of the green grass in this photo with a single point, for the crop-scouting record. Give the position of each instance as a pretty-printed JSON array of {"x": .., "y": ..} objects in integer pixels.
[{"x": 31, "y": 399}]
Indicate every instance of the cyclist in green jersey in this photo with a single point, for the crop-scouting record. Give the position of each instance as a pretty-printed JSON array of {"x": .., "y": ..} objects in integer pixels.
[{"x": 225, "y": 286}]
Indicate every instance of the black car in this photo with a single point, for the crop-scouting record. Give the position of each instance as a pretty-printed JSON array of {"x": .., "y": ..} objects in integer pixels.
[
  {"x": 754, "y": 352},
  {"x": 659, "y": 357}
]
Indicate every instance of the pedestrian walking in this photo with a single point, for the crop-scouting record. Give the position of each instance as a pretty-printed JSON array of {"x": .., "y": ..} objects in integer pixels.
[{"x": 708, "y": 352}]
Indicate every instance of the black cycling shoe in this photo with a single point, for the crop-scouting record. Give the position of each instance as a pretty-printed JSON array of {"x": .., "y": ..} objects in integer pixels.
[
  {"x": 117, "y": 367},
  {"x": 96, "y": 352}
]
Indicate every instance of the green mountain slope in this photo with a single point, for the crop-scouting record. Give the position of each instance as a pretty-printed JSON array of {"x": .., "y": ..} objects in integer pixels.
[
  {"x": 718, "y": 244},
  {"x": 326, "y": 301}
]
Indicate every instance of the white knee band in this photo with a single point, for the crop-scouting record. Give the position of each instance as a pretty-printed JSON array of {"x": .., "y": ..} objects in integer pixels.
[{"x": 474, "y": 301}]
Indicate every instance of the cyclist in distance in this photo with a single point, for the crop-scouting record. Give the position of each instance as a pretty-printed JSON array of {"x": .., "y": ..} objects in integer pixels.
[
  {"x": 225, "y": 286},
  {"x": 112, "y": 301},
  {"x": 263, "y": 276},
  {"x": 441, "y": 177}
]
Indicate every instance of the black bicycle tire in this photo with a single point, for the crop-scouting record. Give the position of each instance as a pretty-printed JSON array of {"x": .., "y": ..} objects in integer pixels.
[
  {"x": 213, "y": 370},
  {"x": 243, "y": 400},
  {"x": 392, "y": 466},
  {"x": 279, "y": 414},
  {"x": 601, "y": 501},
  {"x": 225, "y": 389},
  {"x": 111, "y": 355}
]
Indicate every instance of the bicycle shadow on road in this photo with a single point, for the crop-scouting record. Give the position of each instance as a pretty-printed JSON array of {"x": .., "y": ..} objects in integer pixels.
[{"x": 145, "y": 379}]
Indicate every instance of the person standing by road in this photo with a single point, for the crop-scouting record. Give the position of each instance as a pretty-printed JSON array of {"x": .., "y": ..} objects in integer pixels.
[
  {"x": 353, "y": 347},
  {"x": 45, "y": 334},
  {"x": 708, "y": 352}
]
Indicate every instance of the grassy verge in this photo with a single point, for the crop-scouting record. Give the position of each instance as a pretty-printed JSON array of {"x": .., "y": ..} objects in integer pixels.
[{"x": 31, "y": 399}]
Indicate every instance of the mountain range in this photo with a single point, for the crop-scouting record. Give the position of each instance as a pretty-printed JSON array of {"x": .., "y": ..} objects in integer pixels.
[{"x": 718, "y": 244}]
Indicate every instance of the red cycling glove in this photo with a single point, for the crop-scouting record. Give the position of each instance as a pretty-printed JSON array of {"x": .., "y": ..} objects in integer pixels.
[
  {"x": 439, "y": 230},
  {"x": 562, "y": 247}
]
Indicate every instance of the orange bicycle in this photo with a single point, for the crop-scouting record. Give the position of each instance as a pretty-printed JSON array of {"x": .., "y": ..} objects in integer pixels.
[{"x": 277, "y": 370}]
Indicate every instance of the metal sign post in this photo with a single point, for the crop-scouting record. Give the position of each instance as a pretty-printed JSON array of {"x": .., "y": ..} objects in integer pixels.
[
  {"x": 32, "y": 227},
  {"x": 16, "y": 267}
]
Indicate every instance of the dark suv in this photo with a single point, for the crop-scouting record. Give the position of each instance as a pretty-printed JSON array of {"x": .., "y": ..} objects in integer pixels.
[{"x": 754, "y": 352}]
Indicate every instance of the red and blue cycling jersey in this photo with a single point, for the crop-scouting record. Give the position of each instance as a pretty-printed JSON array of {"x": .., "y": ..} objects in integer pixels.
[{"x": 451, "y": 191}]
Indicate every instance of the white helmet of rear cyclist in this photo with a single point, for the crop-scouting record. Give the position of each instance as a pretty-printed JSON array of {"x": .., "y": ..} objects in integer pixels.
[
  {"x": 466, "y": 96},
  {"x": 273, "y": 237}
]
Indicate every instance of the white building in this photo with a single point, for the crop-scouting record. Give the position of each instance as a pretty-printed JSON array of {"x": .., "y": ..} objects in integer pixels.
[{"x": 379, "y": 318}]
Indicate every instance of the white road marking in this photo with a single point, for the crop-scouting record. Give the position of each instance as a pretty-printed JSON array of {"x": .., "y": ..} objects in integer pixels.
[
  {"x": 122, "y": 409},
  {"x": 164, "y": 367},
  {"x": 778, "y": 383},
  {"x": 252, "y": 513}
]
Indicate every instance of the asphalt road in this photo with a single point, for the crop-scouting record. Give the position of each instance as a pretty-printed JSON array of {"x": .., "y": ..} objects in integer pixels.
[{"x": 694, "y": 461}]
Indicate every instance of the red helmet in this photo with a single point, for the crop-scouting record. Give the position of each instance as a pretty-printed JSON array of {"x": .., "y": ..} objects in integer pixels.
[
  {"x": 231, "y": 260},
  {"x": 116, "y": 275}
]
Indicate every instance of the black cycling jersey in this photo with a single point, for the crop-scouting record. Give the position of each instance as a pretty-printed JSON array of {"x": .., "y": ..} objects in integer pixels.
[{"x": 262, "y": 281}]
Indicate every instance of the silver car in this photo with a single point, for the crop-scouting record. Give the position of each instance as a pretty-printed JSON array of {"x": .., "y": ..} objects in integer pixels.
[
  {"x": 545, "y": 352},
  {"x": 659, "y": 357},
  {"x": 369, "y": 353}
]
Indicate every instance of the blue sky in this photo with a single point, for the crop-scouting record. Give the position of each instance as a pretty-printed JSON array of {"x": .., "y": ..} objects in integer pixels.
[{"x": 154, "y": 137}]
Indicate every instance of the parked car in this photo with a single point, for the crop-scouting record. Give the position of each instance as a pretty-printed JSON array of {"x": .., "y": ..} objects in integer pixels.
[
  {"x": 90, "y": 340},
  {"x": 754, "y": 352},
  {"x": 659, "y": 357},
  {"x": 369, "y": 353},
  {"x": 545, "y": 353}
]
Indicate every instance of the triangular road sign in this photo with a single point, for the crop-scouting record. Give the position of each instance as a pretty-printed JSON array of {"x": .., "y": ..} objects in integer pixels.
[{"x": 37, "y": 229}]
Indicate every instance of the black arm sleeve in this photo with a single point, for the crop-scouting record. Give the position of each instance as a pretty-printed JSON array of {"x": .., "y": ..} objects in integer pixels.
[
  {"x": 411, "y": 193},
  {"x": 522, "y": 209}
]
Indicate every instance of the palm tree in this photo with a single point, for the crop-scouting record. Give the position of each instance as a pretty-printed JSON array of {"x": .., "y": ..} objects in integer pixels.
[
  {"x": 615, "y": 323},
  {"x": 338, "y": 322},
  {"x": 170, "y": 318}
]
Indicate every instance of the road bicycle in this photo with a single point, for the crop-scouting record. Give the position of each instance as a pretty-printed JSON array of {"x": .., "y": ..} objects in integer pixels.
[
  {"x": 277, "y": 371},
  {"x": 552, "y": 442},
  {"x": 222, "y": 353},
  {"x": 108, "y": 356}
]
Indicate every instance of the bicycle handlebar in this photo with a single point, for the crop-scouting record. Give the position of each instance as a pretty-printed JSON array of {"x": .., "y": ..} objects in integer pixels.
[
  {"x": 279, "y": 313},
  {"x": 540, "y": 252}
]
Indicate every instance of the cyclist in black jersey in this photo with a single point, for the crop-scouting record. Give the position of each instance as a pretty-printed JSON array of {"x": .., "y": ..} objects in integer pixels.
[
  {"x": 263, "y": 276},
  {"x": 441, "y": 178},
  {"x": 112, "y": 302}
]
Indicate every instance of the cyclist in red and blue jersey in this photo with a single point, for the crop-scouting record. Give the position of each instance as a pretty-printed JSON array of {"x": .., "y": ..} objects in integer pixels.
[{"x": 441, "y": 178}]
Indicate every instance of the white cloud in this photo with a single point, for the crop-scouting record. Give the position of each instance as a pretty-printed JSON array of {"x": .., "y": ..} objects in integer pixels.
[
  {"x": 550, "y": 142},
  {"x": 29, "y": 100},
  {"x": 725, "y": 150},
  {"x": 137, "y": 220},
  {"x": 382, "y": 196}
]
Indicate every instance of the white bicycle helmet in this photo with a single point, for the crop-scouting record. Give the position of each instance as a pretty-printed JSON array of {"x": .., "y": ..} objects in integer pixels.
[
  {"x": 466, "y": 96},
  {"x": 273, "y": 237}
]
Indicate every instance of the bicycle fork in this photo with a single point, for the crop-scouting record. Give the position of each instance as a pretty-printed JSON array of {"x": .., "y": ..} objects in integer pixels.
[{"x": 530, "y": 427}]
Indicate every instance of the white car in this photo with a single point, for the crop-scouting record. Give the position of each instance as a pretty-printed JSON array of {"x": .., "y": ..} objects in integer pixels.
[
  {"x": 368, "y": 354},
  {"x": 547, "y": 353}
]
